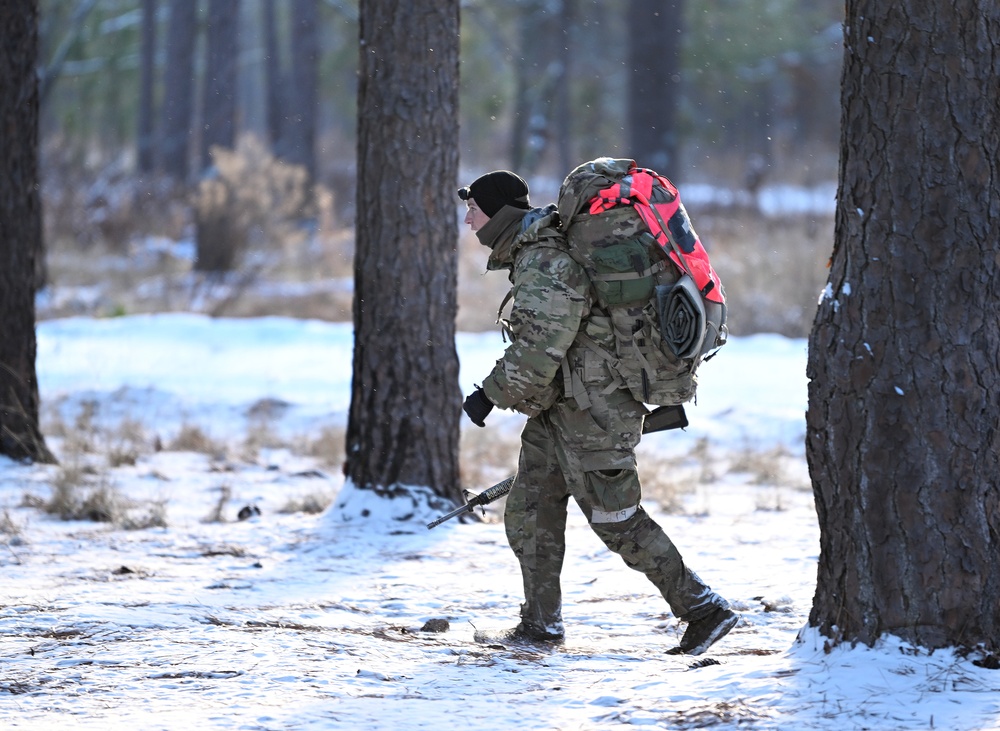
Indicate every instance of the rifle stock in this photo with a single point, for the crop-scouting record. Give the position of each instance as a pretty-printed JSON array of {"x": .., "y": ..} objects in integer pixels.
[{"x": 484, "y": 498}]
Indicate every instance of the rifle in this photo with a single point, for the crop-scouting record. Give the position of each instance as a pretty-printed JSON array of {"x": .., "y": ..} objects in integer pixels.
[{"x": 484, "y": 498}]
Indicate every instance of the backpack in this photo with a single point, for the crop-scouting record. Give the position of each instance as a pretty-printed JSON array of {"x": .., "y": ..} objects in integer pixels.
[{"x": 627, "y": 228}]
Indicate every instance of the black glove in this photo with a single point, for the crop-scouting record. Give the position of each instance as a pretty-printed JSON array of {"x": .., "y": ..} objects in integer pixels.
[{"x": 477, "y": 406}]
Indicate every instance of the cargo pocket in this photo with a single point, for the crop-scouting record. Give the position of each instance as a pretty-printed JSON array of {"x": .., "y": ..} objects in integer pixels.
[{"x": 612, "y": 494}]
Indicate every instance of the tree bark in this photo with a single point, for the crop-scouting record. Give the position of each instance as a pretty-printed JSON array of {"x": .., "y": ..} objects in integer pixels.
[
  {"x": 403, "y": 427},
  {"x": 219, "y": 91},
  {"x": 904, "y": 357},
  {"x": 655, "y": 37},
  {"x": 20, "y": 232},
  {"x": 178, "y": 93}
]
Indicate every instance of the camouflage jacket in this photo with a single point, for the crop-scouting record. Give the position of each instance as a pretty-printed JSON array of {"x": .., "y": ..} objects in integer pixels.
[{"x": 551, "y": 298}]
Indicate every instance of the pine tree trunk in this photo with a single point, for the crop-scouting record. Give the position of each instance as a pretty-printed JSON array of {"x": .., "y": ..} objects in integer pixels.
[
  {"x": 146, "y": 140},
  {"x": 178, "y": 92},
  {"x": 536, "y": 80},
  {"x": 219, "y": 91},
  {"x": 656, "y": 36},
  {"x": 20, "y": 232},
  {"x": 564, "y": 110},
  {"x": 403, "y": 426},
  {"x": 272, "y": 78},
  {"x": 904, "y": 358},
  {"x": 300, "y": 122}
]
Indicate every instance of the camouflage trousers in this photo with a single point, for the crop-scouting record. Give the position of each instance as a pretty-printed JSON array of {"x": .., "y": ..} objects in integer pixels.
[{"x": 590, "y": 455}]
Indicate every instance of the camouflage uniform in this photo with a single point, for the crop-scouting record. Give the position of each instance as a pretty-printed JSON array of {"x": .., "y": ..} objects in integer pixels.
[{"x": 566, "y": 450}]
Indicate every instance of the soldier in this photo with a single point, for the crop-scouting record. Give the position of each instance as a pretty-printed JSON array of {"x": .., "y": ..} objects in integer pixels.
[{"x": 572, "y": 445}]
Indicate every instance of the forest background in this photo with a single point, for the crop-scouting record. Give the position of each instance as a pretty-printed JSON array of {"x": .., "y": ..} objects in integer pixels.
[{"x": 202, "y": 156}]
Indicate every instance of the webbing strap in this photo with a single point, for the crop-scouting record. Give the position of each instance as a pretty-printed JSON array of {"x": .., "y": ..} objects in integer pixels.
[
  {"x": 613, "y": 363},
  {"x": 624, "y": 276},
  {"x": 505, "y": 324},
  {"x": 573, "y": 386}
]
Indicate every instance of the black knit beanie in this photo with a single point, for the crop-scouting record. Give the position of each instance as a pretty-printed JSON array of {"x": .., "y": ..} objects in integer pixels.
[{"x": 495, "y": 190}]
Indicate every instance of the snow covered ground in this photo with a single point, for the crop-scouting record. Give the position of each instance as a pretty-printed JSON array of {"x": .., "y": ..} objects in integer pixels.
[{"x": 301, "y": 621}]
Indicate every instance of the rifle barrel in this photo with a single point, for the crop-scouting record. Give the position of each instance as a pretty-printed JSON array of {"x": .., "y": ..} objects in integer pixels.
[
  {"x": 457, "y": 511},
  {"x": 484, "y": 498}
]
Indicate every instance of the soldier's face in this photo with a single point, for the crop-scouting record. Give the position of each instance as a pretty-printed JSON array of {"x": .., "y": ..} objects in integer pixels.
[{"x": 474, "y": 216}]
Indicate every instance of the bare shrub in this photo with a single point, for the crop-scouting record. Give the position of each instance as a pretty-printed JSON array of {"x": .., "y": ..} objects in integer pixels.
[
  {"x": 192, "y": 438},
  {"x": 252, "y": 199},
  {"x": 773, "y": 268},
  {"x": 479, "y": 292},
  {"x": 8, "y": 526},
  {"x": 262, "y": 433},
  {"x": 102, "y": 504},
  {"x": 75, "y": 498},
  {"x": 83, "y": 435},
  {"x": 103, "y": 206},
  {"x": 155, "y": 516},
  {"x": 765, "y": 466},
  {"x": 487, "y": 457},
  {"x": 126, "y": 444},
  {"x": 219, "y": 230},
  {"x": 328, "y": 446},
  {"x": 217, "y": 513},
  {"x": 313, "y": 503},
  {"x": 666, "y": 481}
]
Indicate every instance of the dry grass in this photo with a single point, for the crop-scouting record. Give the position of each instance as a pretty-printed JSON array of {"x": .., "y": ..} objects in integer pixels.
[
  {"x": 773, "y": 269},
  {"x": 312, "y": 503},
  {"x": 75, "y": 496},
  {"x": 8, "y": 526},
  {"x": 217, "y": 514},
  {"x": 487, "y": 456},
  {"x": 116, "y": 245},
  {"x": 112, "y": 249},
  {"x": 192, "y": 438},
  {"x": 328, "y": 446}
]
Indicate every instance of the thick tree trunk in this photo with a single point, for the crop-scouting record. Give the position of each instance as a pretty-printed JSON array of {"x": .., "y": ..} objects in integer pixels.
[
  {"x": 403, "y": 426},
  {"x": 20, "y": 232},
  {"x": 656, "y": 34},
  {"x": 178, "y": 92},
  {"x": 904, "y": 358},
  {"x": 219, "y": 91}
]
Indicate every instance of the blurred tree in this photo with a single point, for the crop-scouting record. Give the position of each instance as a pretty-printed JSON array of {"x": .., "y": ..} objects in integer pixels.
[
  {"x": 600, "y": 79},
  {"x": 904, "y": 357},
  {"x": 274, "y": 81},
  {"x": 403, "y": 424},
  {"x": 655, "y": 42},
  {"x": 146, "y": 137},
  {"x": 218, "y": 109},
  {"x": 738, "y": 97},
  {"x": 537, "y": 77},
  {"x": 179, "y": 89},
  {"x": 48, "y": 73},
  {"x": 20, "y": 232},
  {"x": 299, "y": 124},
  {"x": 563, "y": 100}
]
